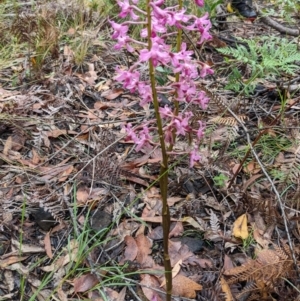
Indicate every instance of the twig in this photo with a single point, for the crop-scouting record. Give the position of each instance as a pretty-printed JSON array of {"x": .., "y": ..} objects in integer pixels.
[{"x": 282, "y": 29}]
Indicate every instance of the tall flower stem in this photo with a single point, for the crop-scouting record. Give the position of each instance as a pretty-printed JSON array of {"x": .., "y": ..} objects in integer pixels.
[
  {"x": 177, "y": 77},
  {"x": 178, "y": 46},
  {"x": 163, "y": 169}
]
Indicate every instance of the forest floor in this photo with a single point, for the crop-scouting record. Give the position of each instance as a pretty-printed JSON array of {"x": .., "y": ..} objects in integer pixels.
[{"x": 80, "y": 210}]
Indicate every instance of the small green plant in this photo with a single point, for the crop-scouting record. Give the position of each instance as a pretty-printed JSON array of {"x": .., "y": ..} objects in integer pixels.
[
  {"x": 270, "y": 146},
  {"x": 262, "y": 58},
  {"x": 220, "y": 180},
  {"x": 81, "y": 47},
  {"x": 248, "y": 241}
]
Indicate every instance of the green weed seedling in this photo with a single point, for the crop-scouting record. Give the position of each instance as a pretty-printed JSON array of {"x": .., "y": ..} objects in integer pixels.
[{"x": 220, "y": 180}]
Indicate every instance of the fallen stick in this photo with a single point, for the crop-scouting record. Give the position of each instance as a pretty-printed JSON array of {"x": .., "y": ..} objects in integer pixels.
[{"x": 282, "y": 29}]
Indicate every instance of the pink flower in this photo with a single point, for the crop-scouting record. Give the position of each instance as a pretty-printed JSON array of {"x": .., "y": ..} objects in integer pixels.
[
  {"x": 200, "y": 131},
  {"x": 129, "y": 79},
  {"x": 194, "y": 157},
  {"x": 157, "y": 26},
  {"x": 145, "y": 92},
  {"x": 181, "y": 124},
  {"x": 205, "y": 70},
  {"x": 181, "y": 55},
  {"x": 159, "y": 53},
  {"x": 199, "y": 2},
  {"x": 162, "y": 15},
  {"x": 143, "y": 139},
  {"x": 119, "y": 29},
  {"x": 187, "y": 69},
  {"x": 130, "y": 133},
  {"x": 179, "y": 17},
  {"x": 126, "y": 9},
  {"x": 186, "y": 90},
  {"x": 165, "y": 112},
  {"x": 201, "y": 100},
  {"x": 168, "y": 135},
  {"x": 124, "y": 41},
  {"x": 202, "y": 24}
]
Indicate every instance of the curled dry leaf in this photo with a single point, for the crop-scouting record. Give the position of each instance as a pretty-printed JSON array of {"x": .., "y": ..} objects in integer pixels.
[
  {"x": 84, "y": 283},
  {"x": 47, "y": 243},
  {"x": 240, "y": 228},
  {"x": 7, "y": 146},
  {"x": 144, "y": 245},
  {"x": 175, "y": 271},
  {"x": 227, "y": 263},
  {"x": 148, "y": 282},
  {"x": 184, "y": 287},
  {"x": 156, "y": 233},
  {"x": 131, "y": 249},
  {"x": 26, "y": 248},
  {"x": 192, "y": 222},
  {"x": 82, "y": 195},
  {"x": 70, "y": 252},
  {"x": 226, "y": 290},
  {"x": 112, "y": 94},
  {"x": 64, "y": 175},
  {"x": 177, "y": 229},
  {"x": 11, "y": 260}
]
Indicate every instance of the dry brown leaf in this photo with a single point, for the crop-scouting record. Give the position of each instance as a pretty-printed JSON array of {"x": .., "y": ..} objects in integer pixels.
[
  {"x": 177, "y": 252},
  {"x": 64, "y": 175},
  {"x": 82, "y": 195},
  {"x": 35, "y": 157},
  {"x": 26, "y": 248},
  {"x": 226, "y": 290},
  {"x": 61, "y": 294},
  {"x": 112, "y": 94},
  {"x": 47, "y": 242},
  {"x": 177, "y": 230},
  {"x": 227, "y": 263},
  {"x": 56, "y": 133},
  {"x": 85, "y": 282},
  {"x": 175, "y": 271},
  {"x": 131, "y": 249},
  {"x": 102, "y": 105},
  {"x": 122, "y": 294},
  {"x": 252, "y": 168},
  {"x": 11, "y": 260},
  {"x": 71, "y": 255},
  {"x": 7, "y": 146},
  {"x": 144, "y": 245},
  {"x": 147, "y": 282},
  {"x": 259, "y": 237},
  {"x": 18, "y": 142},
  {"x": 68, "y": 52},
  {"x": 125, "y": 228},
  {"x": 192, "y": 222},
  {"x": 185, "y": 287},
  {"x": 155, "y": 219},
  {"x": 9, "y": 280},
  {"x": 173, "y": 200},
  {"x": 156, "y": 233},
  {"x": 240, "y": 228},
  {"x": 71, "y": 31}
]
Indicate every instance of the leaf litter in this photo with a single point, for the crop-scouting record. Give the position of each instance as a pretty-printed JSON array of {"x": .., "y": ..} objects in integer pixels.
[{"x": 77, "y": 208}]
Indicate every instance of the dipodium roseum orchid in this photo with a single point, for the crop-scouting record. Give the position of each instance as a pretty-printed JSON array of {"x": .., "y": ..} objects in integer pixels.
[{"x": 160, "y": 54}]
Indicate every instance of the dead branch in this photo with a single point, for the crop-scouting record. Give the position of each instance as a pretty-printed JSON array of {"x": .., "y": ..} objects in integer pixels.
[{"x": 279, "y": 27}]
